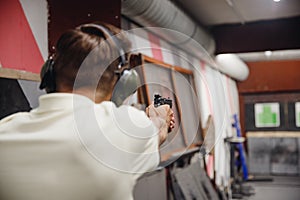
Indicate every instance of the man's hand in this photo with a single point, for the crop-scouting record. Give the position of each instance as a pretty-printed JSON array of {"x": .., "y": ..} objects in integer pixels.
[{"x": 163, "y": 118}]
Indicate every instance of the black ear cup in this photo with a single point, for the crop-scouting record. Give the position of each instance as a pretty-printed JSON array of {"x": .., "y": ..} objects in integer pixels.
[{"x": 48, "y": 81}]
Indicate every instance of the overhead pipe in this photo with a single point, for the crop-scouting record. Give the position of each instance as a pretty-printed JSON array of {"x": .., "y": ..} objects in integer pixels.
[
  {"x": 164, "y": 14},
  {"x": 233, "y": 66}
]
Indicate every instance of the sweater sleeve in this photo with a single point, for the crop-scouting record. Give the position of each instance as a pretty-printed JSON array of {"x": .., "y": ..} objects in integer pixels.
[{"x": 143, "y": 141}]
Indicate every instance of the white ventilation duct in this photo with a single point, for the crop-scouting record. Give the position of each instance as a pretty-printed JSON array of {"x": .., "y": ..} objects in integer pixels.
[
  {"x": 163, "y": 13},
  {"x": 233, "y": 66}
]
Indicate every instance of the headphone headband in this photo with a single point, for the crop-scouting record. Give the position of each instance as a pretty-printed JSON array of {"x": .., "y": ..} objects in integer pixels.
[{"x": 121, "y": 51}]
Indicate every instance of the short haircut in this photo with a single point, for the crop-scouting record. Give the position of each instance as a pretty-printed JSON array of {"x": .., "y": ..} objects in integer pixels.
[{"x": 74, "y": 46}]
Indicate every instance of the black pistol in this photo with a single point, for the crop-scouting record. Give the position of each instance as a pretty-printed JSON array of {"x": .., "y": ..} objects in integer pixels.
[{"x": 158, "y": 101}]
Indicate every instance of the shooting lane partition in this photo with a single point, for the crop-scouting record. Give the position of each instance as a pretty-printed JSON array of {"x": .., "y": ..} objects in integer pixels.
[
  {"x": 187, "y": 128},
  {"x": 166, "y": 80}
]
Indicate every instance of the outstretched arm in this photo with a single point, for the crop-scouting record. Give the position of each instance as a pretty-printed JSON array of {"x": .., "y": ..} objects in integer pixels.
[{"x": 163, "y": 118}]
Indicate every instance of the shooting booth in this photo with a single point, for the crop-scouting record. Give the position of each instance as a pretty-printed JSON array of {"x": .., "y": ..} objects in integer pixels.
[{"x": 182, "y": 171}]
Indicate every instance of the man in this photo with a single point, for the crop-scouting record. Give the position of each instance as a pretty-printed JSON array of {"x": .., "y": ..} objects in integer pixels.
[{"x": 78, "y": 144}]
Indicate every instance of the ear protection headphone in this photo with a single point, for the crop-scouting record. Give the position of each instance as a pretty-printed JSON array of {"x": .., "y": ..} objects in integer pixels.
[
  {"x": 128, "y": 79},
  {"x": 48, "y": 76}
]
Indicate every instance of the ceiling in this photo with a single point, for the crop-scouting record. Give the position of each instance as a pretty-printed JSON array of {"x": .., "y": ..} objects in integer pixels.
[
  {"x": 216, "y": 12},
  {"x": 240, "y": 26}
]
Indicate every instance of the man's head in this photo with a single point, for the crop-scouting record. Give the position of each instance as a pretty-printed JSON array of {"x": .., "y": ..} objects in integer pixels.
[{"x": 88, "y": 58}]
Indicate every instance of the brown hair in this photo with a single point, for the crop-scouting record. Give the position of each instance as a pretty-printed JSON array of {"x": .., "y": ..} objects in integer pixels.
[{"x": 91, "y": 53}]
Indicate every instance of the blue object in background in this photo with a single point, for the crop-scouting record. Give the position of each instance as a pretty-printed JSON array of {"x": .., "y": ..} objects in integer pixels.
[{"x": 240, "y": 146}]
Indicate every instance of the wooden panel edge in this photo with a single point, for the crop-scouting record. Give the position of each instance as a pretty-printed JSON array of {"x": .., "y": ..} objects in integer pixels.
[
  {"x": 183, "y": 70},
  {"x": 166, "y": 65},
  {"x": 157, "y": 62},
  {"x": 19, "y": 74}
]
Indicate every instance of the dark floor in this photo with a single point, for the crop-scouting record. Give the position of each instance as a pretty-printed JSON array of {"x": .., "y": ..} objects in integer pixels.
[{"x": 281, "y": 188}]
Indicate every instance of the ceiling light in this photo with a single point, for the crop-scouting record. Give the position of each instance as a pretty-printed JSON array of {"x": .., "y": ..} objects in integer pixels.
[
  {"x": 276, "y": 0},
  {"x": 268, "y": 53}
]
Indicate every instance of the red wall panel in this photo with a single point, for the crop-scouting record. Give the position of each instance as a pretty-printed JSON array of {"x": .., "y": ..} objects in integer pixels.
[
  {"x": 272, "y": 76},
  {"x": 18, "y": 47}
]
